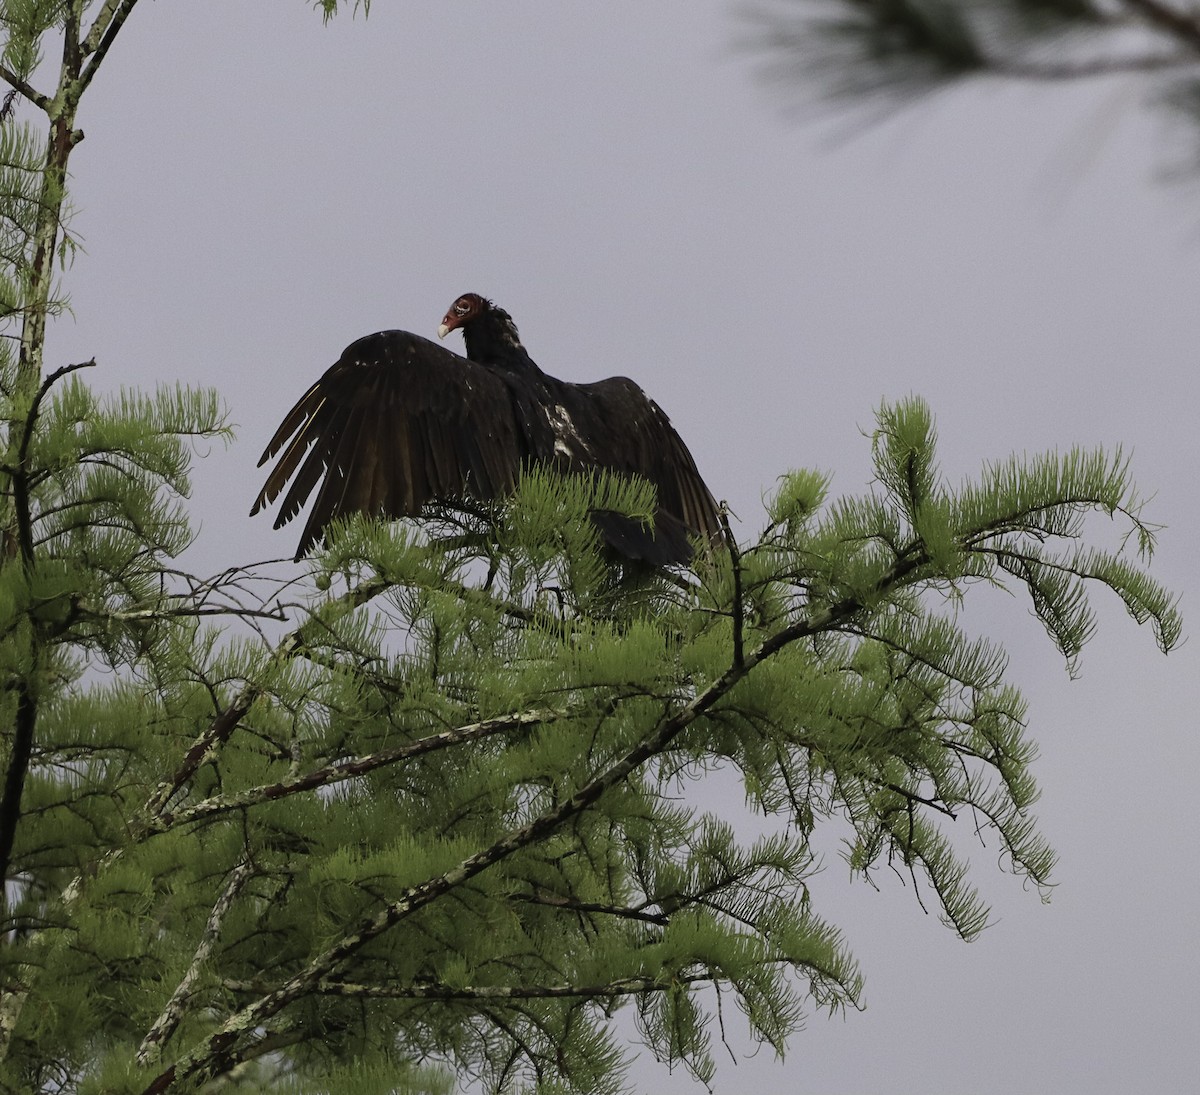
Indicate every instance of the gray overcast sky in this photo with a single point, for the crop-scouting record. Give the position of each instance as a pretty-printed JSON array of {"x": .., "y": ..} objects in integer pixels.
[{"x": 257, "y": 190}]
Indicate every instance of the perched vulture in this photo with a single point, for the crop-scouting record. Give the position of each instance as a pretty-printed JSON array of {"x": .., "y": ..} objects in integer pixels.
[{"x": 400, "y": 421}]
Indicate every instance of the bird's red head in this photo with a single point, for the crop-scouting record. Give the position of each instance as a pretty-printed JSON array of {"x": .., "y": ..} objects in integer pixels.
[{"x": 463, "y": 310}]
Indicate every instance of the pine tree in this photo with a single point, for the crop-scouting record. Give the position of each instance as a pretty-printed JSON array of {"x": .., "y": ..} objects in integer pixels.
[{"x": 428, "y": 814}]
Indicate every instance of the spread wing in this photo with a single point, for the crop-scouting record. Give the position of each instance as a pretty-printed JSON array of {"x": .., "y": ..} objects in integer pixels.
[
  {"x": 399, "y": 421},
  {"x": 640, "y": 440}
]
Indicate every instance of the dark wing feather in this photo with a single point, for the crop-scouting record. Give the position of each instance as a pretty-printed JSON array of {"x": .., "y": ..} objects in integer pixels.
[
  {"x": 398, "y": 422},
  {"x": 636, "y": 437}
]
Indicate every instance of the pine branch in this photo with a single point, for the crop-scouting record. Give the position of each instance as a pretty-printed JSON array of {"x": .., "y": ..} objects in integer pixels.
[
  {"x": 871, "y": 48},
  {"x": 555, "y": 901},
  {"x": 483, "y": 995},
  {"x": 215, "y": 1053},
  {"x": 184, "y": 610},
  {"x": 43, "y": 102},
  {"x": 1180, "y": 25},
  {"x": 739, "y": 607},
  {"x": 913, "y": 799},
  {"x": 63, "y": 137},
  {"x": 10, "y": 1013},
  {"x": 230, "y": 591},
  {"x": 101, "y": 35},
  {"x": 1083, "y": 70},
  {"x": 227, "y": 721},
  {"x": 214, "y": 736},
  {"x": 272, "y": 1041},
  {"x": 25, "y": 718},
  {"x": 164, "y": 1026},
  {"x": 20, "y": 474},
  {"x": 24, "y": 723},
  {"x": 330, "y": 774},
  {"x": 625, "y": 986}
]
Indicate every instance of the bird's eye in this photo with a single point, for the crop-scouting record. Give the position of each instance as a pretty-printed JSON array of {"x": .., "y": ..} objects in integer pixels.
[{"x": 462, "y": 308}]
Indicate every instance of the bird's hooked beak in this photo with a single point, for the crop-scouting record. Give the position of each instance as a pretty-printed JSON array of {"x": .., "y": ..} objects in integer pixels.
[{"x": 465, "y": 308}]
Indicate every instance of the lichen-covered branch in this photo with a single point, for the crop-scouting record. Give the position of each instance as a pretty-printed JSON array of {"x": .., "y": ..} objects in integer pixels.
[
  {"x": 164, "y": 1026},
  {"x": 331, "y": 774}
]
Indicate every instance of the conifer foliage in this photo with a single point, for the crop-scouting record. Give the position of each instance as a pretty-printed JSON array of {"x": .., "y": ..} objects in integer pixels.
[
  {"x": 884, "y": 52},
  {"x": 433, "y": 815}
]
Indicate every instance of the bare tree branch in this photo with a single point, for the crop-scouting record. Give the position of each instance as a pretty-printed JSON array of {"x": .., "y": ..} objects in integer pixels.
[
  {"x": 27, "y": 90},
  {"x": 101, "y": 35}
]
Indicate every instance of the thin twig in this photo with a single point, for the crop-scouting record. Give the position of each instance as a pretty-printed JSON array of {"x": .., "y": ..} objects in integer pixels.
[
  {"x": 554, "y": 901},
  {"x": 739, "y": 609}
]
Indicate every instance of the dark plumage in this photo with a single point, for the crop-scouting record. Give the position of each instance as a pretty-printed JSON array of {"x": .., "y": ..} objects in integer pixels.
[{"x": 400, "y": 422}]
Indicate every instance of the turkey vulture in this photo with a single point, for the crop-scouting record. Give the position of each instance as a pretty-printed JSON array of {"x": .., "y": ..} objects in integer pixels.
[{"x": 399, "y": 422}]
